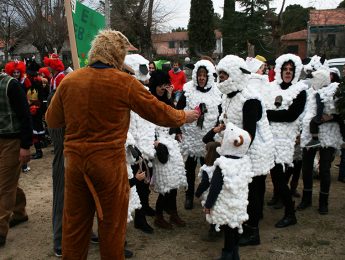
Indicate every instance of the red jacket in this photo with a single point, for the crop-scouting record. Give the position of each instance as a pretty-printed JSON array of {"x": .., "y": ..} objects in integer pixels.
[{"x": 177, "y": 80}]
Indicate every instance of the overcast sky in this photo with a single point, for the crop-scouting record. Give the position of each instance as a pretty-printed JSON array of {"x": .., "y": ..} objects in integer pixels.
[{"x": 182, "y": 8}]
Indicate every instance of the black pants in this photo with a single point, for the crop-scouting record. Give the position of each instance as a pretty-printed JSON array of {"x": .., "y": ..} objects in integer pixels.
[
  {"x": 166, "y": 202},
  {"x": 190, "y": 166},
  {"x": 256, "y": 200},
  {"x": 143, "y": 188},
  {"x": 231, "y": 238},
  {"x": 295, "y": 172},
  {"x": 326, "y": 159},
  {"x": 279, "y": 181}
]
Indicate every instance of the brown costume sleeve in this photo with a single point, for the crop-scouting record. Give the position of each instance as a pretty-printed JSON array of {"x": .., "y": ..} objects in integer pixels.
[
  {"x": 149, "y": 107},
  {"x": 55, "y": 115}
]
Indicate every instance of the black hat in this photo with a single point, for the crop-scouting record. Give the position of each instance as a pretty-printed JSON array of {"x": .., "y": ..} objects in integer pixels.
[{"x": 158, "y": 78}]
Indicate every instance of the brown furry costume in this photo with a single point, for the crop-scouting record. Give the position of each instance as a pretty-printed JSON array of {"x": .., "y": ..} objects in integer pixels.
[{"x": 94, "y": 105}]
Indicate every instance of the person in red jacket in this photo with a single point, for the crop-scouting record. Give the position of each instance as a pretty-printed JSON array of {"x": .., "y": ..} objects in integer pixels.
[
  {"x": 177, "y": 79},
  {"x": 57, "y": 68}
]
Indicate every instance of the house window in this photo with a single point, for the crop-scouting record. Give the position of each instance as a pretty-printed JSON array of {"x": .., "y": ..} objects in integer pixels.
[
  {"x": 330, "y": 40},
  {"x": 292, "y": 49},
  {"x": 171, "y": 44}
]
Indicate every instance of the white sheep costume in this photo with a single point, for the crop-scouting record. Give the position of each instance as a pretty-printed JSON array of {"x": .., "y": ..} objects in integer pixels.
[
  {"x": 329, "y": 133},
  {"x": 230, "y": 207},
  {"x": 315, "y": 63},
  {"x": 134, "y": 200},
  {"x": 192, "y": 144},
  {"x": 134, "y": 61},
  {"x": 261, "y": 151},
  {"x": 170, "y": 175},
  {"x": 285, "y": 133}
]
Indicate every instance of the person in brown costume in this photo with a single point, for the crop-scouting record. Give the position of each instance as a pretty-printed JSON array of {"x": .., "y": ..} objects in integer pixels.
[{"x": 94, "y": 104}]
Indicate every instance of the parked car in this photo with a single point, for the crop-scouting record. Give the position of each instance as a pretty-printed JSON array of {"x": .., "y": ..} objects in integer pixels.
[{"x": 338, "y": 63}]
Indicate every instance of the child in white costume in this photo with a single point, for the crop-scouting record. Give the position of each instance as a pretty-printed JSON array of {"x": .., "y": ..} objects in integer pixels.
[{"x": 226, "y": 203}]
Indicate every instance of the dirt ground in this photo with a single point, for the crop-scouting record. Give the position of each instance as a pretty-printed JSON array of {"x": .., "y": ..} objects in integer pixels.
[{"x": 314, "y": 237}]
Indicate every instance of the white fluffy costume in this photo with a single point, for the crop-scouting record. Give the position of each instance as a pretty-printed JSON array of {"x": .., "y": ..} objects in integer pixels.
[
  {"x": 170, "y": 175},
  {"x": 284, "y": 133},
  {"x": 140, "y": 65},
  {"x": 134, "y": 201},
  {"x": 192, "y": 144},
  {"x": 230, "y": 207},
  {"x": 261, "y": 150},
  {"x": 329, "y": 132}
]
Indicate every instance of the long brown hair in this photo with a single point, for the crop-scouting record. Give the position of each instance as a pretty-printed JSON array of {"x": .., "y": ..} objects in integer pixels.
[{"x": 211, "y": 153}]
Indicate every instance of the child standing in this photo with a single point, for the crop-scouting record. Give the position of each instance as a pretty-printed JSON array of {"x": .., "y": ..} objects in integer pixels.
[{"x": 227, "y": 200}]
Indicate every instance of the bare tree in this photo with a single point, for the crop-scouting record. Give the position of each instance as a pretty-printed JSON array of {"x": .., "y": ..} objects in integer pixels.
[{"x": 44, "y": 21}]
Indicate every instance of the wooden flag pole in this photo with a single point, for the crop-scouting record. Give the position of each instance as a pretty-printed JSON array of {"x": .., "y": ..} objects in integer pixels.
[{"x": 71, "y": 34}]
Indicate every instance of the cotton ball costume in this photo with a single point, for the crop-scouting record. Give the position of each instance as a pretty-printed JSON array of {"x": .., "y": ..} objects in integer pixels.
[
  {"x": 329, "y": 133},
  {"x": 316, "y": 63},
  {"x": 170, "y": 175},
  {"x": 134, "y": 200},
  {"x": 284, "y": 133},
  {"x": 140, "y": 65},
  {"x": 230, "y": 207},
  {"x": 261, "y": 150},
  {"x": 192, "y": 144}
]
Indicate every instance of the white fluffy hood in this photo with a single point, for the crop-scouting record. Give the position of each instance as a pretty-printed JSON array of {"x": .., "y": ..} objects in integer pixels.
[
  {"x": 320, "y": 79},
  {"x": 134, "y": 61},
  {"x": 279, "y": 64},
  {"x": 235, "y": 142},
  {"x": 315, "y": 63},
  {"x": 237, "y": 80},
  {"x": 211, "y": 72}
]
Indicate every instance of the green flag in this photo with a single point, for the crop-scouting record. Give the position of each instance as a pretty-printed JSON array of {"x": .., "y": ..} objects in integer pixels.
[{"x": 87, "y": 23}]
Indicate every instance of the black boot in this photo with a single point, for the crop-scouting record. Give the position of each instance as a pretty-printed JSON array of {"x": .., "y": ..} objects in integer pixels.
[
  {"x": 230, "y": 255},
  {"x": 141, "y": 223},
  {"x": 128, "y": 253},
  {"x": 289, "y": 217},
  {"x": 39, "y": 153},
  {"x": 250, "y": 236},
  {"x": 306, "y": 200},
  {"x": 323, "y": 203}
]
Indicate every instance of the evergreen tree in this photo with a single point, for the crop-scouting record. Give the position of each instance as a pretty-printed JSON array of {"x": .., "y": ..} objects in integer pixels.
[
  {"x": 341, "y": 4},
  {"x": 295, "y": 18},
  {"x": 200, "y": 28}
]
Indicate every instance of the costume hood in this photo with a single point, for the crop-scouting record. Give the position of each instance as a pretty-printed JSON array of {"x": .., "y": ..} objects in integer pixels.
[
  {"x": 109, "y": 47},
  {"x": 238, "y": 79},
  {"x": 211, "y": 73},
  {"x": 320, "y": 79},
  {"x": 285, "y": 58},
  {"x": 54, "y": 62},
  {"x": 139, "y": 65},
  {"x": 235, "y": 141},
  {"x": 316, "y": 63}
]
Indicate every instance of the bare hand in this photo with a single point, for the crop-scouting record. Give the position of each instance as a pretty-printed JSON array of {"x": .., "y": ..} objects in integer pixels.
[
  {"x": 140, "y": 176},
  {"x": 207, "y": 211},
  {"x": 219, "y": 128},
  {"x": 156, "y": 143},
  {"x": 24, "y": 155},
  {"x": 191, "y": 115},
  {"x": 178, "y": 138},
  {"x": 326, "y": 118}
]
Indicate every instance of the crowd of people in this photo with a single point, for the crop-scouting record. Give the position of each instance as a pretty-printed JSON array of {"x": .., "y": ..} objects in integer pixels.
[{"x": 121, "y": 127}]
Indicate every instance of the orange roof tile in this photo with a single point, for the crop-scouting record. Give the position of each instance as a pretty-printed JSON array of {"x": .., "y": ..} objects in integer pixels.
[
  {"x": 299, "y": 35},
  {"x": 327, "y": 17}
]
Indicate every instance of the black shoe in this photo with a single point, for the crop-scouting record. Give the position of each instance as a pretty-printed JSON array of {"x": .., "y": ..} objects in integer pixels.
[
  {"x": 323, "y": 210},
  {"x": 128, "y": 253},
  {"x": 148, "y": 211},
  {"x": 15, "y": 222},
  {"x": 250, "y": 237},
  {"x": 58, "y": 252},
  {"x": 286, "y": 221},
  {"x": 144, "y": 226},
  {"x": 188, "y": 204},
  {"x": 94, "y": 239},
  {"x": 303, "y": 205},
  {"x": 273, "y": 201},
  {"x": 2, "y": 241},
  {"x": 37, "y": 155}
]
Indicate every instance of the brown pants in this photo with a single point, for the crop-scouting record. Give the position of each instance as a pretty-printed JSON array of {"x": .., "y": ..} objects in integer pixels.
[
  {"x": 12, "y": 198},
  {"x": 109, "y": 177}
]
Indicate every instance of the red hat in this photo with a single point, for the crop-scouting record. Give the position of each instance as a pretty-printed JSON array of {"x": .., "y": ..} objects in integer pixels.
[
  {"x": 45, "y": 71},
  {"x": 11, "y": 66},
  {"x": 54, "y": 62}
]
